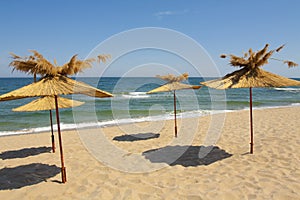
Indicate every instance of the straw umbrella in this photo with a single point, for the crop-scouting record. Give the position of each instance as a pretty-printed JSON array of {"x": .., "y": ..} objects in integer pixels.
[
  {"x": 37, "y": 64},
  {"x": 47, "y": 103},
  {"x": 172, "y": 85},
  {"x": 55, "y": 86},
  {"x": 252, "y": 76},
  {"x": 54, "y": 82}
]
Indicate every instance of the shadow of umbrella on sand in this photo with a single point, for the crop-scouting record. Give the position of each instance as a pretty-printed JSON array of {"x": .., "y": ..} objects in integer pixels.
[
  {"x": 48, "y": 103},
  {"x": 12, "y": 178},
  {"x": 55, "y": 85},
  {"x": 252, "y": 76},
  {"x": 172, "y": 85}
]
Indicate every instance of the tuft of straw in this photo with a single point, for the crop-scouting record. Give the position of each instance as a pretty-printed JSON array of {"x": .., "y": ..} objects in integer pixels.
[
  {"x": 290, "y": 63},
  {"x": 264, "y": 59},
  {"x": 173, "y": 78},
  {"x": 238, "y": 61},
  {"x": 103, "y": 58},
  {"x": 14, "y": 56},
  {"x": 279, "y": 48},
  {"x": 261, "y": 53}
]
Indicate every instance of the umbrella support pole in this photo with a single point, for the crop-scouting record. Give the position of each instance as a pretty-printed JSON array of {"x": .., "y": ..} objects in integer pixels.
[
  {"x": 251, "y": 122},
  {"x": 63, "y": 169},
  {"x": 52, "y": 135},
  {"x": 175, "y": 114}
]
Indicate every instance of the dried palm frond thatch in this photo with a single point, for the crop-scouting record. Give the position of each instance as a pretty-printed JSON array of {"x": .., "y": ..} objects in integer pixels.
[
  {"x": 279, "y": 48},
  {"x": 290, "y": 63},
  {"x": 244, "y": 78},
  {"x": 47, "y": 103},
  {"x": 75, "y": 66},
  {"x": 173, "y": 78},
  {"x": 37, "y": 64},
  {"x": 103, "y": 58},
  {"x": 253, "y": 60},
  {"x": 54, "y": 86}
]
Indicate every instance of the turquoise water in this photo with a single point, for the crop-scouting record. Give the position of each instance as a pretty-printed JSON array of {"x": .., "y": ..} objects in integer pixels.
[{"x": 131, "y": 103}]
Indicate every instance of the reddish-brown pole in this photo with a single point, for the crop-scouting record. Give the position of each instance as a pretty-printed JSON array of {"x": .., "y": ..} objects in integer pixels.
[
  {"x": 52, "y": 135},
  {"x": 251, "y": 123},
  {"x": 63, "y": 169},
  {"x": 175, "y": 114}
]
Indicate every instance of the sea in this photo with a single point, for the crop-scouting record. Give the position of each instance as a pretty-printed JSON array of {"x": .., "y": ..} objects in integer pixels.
[{"x": 131, "y": 103}]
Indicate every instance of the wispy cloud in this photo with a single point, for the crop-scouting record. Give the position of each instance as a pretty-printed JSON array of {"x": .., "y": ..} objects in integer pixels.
[{"x": 162, "y": 14}]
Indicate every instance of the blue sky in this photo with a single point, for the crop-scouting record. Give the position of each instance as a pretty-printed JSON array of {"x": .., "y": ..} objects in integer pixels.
[{"x": 59, "y": 29}]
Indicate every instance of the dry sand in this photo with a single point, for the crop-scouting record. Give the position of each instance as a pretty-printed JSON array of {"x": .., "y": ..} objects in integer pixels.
[{"x": 132, "y": 167}]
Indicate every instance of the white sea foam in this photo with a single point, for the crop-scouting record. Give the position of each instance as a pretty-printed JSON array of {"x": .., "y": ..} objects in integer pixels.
[
  {"x": 136, "y": 95},
  {"x": 166, "y": 116},
  {"x": 288, "y": 89}
]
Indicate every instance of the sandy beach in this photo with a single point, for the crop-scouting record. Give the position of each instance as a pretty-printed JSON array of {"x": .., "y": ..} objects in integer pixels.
[{"x": 139, "y": 161}]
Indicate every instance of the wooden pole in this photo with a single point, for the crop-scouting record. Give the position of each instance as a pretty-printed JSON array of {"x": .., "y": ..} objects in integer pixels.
[
  {"x": 52, "y": 135},
  {"x": 63, "y": 169},
  {"x": 251, "y": 122},
  {"x": 34, "y": 77},
  {"x": 175, "y": 114}
]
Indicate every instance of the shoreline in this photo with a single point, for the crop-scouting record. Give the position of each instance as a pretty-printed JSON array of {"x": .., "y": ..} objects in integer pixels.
[{"x": 111, "y": 123}]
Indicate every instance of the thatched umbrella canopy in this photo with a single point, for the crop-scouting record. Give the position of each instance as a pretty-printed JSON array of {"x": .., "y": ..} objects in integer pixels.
[
  {"x": 54, "y": 86},
  {"x": 252, "y": 76},
  {"x": 53, "y": 82},
  {"x": 48, "y": 103},
  {"x": 172, "y": 85}
]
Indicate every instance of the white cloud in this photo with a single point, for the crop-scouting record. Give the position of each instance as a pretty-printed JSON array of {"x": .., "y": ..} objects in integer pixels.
[{"x": 161, "y": 14}]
